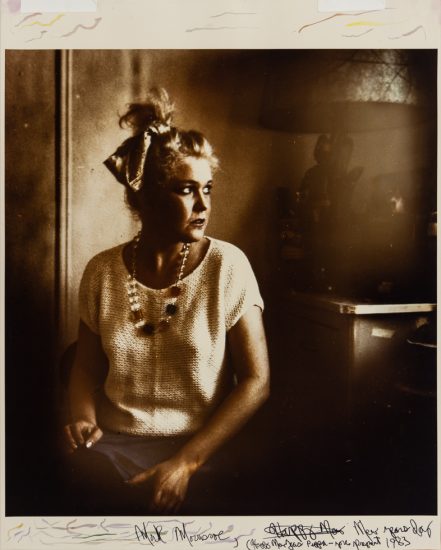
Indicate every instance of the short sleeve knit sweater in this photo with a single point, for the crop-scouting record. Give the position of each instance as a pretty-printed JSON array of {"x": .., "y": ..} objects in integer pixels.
[{"x": 170, "y": 382}]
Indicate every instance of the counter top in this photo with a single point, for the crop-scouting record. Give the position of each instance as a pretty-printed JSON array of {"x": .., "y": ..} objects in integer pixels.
[{"x": 351, "y": 306}]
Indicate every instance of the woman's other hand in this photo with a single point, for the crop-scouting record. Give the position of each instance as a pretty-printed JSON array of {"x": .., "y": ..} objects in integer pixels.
[
  {"x": 169, "y": 483},
  {"x": 88, "y": 374},
  {"x": 81, "y": 433}
]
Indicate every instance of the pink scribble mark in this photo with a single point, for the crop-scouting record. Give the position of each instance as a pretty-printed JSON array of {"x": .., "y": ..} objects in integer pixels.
[
  {"x": 14, "y": 5},
  {"x": 77, "y": 27},
  {"x": 28, "y": 17}
]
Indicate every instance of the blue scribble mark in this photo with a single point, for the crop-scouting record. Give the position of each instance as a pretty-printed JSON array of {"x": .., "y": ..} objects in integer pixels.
[
  {"x": 357, "y": 35},
  {"x": 420, "y": 27},
  {"x": 25, "y": 534},
  {"x": 232, "y": 13},
  {"x": 42, "y": 33}
]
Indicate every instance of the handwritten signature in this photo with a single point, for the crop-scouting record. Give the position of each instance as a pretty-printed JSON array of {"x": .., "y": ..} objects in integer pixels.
[
  {"x": 279, "y": 536},
  {"x": 303, "y": 532},
  {"x": 158, "y": 533}
]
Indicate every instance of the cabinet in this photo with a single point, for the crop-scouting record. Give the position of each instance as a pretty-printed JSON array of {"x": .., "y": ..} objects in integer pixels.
[
  {"x": 354, "y": 354},
  {"x": 350, "y": 416}
]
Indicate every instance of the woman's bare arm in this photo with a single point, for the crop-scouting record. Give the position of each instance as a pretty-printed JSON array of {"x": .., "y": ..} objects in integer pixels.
[
  {"x": 87, "y": 375},
  {"x": 247, "y": 343}
]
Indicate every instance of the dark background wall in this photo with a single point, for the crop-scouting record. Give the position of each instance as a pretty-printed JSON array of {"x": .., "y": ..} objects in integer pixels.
[{"x": 30, "y": 274}]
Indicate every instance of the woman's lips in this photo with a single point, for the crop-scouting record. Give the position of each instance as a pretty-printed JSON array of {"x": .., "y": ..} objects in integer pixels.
[{"x": 200, "y": 222}]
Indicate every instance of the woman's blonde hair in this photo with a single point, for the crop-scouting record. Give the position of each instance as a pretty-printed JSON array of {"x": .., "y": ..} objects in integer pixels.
[{"x": 169, "y": 145}]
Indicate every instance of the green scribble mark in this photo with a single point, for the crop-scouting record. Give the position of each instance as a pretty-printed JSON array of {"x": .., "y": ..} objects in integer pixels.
[{"x": 97, "y": 535}]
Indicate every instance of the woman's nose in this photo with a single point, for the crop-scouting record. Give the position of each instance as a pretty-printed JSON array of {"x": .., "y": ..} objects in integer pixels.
[{"x": 201, "y": 203}]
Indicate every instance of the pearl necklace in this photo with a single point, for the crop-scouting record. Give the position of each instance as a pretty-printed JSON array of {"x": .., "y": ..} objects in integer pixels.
[{"x": 172, "y": 293}]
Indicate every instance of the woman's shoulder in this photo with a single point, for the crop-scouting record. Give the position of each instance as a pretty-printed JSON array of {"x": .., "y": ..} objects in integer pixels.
[
  {"x": 227, "y": 253},
  {"x": 106, "y": 258},
  {"x": 225, "y": 248}
]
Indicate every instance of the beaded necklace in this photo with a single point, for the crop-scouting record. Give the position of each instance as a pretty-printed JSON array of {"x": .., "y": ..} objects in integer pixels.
[{"x": 172, "y": 294}]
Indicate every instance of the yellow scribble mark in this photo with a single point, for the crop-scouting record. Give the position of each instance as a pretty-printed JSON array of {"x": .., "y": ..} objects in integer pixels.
[
  {"x": 365, "y": 24},
  {"x": 19, "y": 526},
  {"x": 54, "y": 20}
]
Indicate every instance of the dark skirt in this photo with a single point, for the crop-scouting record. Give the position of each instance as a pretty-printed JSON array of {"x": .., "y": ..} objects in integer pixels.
[
  {"x": 131, "y": 455},
  {"x": 94, "y": 479}
]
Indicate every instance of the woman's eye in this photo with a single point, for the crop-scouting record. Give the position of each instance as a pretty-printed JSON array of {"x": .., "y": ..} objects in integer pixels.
[{"x": 188, "y": 190}]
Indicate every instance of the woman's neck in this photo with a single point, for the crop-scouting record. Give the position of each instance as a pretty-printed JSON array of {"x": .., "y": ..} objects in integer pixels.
[
  {"x": 158, "y": 254},
  {"x": 157, "y": 261}
]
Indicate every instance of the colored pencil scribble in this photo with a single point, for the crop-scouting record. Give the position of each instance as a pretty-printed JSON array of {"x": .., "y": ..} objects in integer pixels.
[
  {"x": 14, "y": 5},
  {"x": 49, "y": 24},
  {"x": 365, "y": 24},
  {"x": 42, "y": 33},
  {"x": 409, "y": 33},
  {"x": 302, "y": 28},
  {"x": 81, "y": 26},
  {"x": 19, "y": 526},
  {"x": 233, "y": 16},
  {"x": 232, "y": 13},
  {"x": 224, "y": 28},
  {"x": 30, "y": 16},
  {"x": 74, "y": 531},
  {"x": 357, "y": 35},
  {"x": 55, "y": 533},
  {"x": 24, "y": 535},
  {"x": 406, "y": 22}
]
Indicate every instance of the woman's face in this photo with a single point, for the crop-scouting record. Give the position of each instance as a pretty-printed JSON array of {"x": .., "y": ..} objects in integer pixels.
[{"x": 181, "y": 207}]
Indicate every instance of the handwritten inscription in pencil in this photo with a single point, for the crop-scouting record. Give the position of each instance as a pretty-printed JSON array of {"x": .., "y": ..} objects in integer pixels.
[
  {"x": 247, "y": 533},
  {"x": 324, "y": 534}
]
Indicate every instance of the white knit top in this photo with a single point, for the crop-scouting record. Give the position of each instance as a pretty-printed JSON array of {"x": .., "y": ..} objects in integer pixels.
[{"x": 170, "y": 382}]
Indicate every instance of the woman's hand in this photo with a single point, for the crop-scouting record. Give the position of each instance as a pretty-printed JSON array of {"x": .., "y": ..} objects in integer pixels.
[
  {"x": 81, "y": 433},
  {"x": 170, "y": 482}
]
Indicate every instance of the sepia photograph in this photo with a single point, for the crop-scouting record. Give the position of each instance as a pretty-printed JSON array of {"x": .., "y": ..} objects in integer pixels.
[{"x": 220, "y": 282}]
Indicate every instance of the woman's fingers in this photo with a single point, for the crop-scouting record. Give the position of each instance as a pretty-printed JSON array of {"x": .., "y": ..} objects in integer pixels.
[
  {"x": 69, "y": 438},
  {"x": 76, "y": 430},
  {"x": 81, "y": 433},
  {"x": 169, "y": 486},
  {"x": 174, "y": 508},
  {"x": 156, "y": 502},
  {"x": 142, "y": 477},
  {"x": 165, "y": 501},
  {"x": 93, "y": 437},
  {"x": 161, "y": 501},
  {"x": 167, "y": 496}
]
